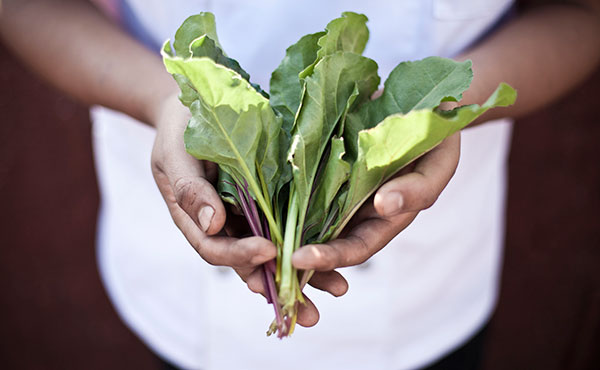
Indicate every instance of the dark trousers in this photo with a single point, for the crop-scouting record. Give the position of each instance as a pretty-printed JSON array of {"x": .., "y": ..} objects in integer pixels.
[{"x": 467, "y": 357}]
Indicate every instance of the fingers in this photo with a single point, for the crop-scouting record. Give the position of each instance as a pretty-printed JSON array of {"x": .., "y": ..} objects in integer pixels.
[
  {"x": 223, "y": 250},
  {"x": 308, "y": 315},
  {"x": 330, "y": 281},
  {"x": 357, "y": 246},
  {"x": 254, "y": 279},
  {"x": 397, "y": 203},
  {"x": 419, "y": 189},
  {"x": 227, "y": 251}
]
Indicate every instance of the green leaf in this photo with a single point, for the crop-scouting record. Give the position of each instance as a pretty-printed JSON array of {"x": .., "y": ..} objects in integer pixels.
[
  {"x": 333, "y": 176},
  {"x": 271, "y": 154},
  {"x": 221, "y": 135},
  {"x": 227, "y": 190},
  {"x": 349, "y": 105},
  {"x": 422, "y": 84},
  {"x": 348, "y": 33},
  {"x": 230, "y": 119},
  {"x": 192, "y": 28},
  {"x": 327, "y": 91},
  {"x": 215, "y": 84},
  {"x": 203, "y": 46},
  {"x": 399, "y": 139},
  {"x": 286, "y": 89}
]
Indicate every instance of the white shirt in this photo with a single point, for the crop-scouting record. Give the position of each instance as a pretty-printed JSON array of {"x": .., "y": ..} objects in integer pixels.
[{"x": 419, "y": 298}]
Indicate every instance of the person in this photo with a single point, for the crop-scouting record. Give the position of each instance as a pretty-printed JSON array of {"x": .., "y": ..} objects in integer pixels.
[{"x": 428, "y": 292}]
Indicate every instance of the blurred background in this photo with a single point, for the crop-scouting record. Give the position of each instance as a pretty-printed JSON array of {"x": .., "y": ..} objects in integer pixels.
[{"x": 54, "y": 313}]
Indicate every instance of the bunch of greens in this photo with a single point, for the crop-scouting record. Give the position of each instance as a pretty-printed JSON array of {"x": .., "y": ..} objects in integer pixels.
[{"x": 301, "y": 161}]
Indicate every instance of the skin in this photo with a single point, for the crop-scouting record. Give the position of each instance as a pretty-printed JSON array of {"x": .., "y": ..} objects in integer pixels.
[{"x": 543, "y": 54}]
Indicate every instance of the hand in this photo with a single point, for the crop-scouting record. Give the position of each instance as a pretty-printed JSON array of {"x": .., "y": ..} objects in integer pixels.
[
  {"x": 197, "y": 210},
  {"x": 308, "y": 314},
  {"x": 392, "y": 209},
  {"x": 195, "y": 206},
  {"x": 328, "y": 281}
]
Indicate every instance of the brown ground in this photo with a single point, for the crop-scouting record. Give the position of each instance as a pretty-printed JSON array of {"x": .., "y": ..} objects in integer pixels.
[{"x": 54, "y": 313}]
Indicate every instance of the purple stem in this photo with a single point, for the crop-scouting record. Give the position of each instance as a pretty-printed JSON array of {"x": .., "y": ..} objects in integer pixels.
[
  {"x": 266, "y": 285},
  {"x": 247, "y": 214},
  {"x": 266, "y": 228},
  {"x": 273, "y": 294},
  {"x": 271, "y": 266},
  {"x": 253, "y": 208},
  {"x": 268, "y": 268}
]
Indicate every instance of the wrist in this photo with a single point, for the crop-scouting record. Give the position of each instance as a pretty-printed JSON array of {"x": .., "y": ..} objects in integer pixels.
[
  {"x": 163, "y": 90},
  {"x": 168, "y": 113}
]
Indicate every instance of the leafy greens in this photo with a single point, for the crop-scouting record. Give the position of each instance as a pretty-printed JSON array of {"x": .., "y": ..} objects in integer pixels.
[{"x": 300, "y": 162}]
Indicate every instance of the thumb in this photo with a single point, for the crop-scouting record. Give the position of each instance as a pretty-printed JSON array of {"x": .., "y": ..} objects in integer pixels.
[
  {"x": 188, "y": 194},
  {"x": 192, "y": 200},
  {"x": 198, "y": 198}
]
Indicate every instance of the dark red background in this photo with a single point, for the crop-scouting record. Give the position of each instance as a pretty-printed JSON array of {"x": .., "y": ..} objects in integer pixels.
[{"x": 54, "y": 313}]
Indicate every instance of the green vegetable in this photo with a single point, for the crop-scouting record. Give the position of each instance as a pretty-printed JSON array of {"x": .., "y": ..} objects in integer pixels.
[{"x": 300, "y": 162}]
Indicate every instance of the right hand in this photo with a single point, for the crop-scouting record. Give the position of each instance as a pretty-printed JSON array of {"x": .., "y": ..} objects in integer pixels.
[{"x": 197, "y": 210}]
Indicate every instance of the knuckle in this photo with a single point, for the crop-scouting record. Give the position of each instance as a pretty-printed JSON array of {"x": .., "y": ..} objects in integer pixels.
[
  {"x": 156, "y": 159},
  {"x": 429, "y": 197},
  {"x": 208, "y": 258},
  {"x": 363, "y": 253},
  {"x": 430, "y": 201},
  {"x": 155, "y": 165},
  {"x": 244, "y": 253},
  {"x": 332, "y": 258}
]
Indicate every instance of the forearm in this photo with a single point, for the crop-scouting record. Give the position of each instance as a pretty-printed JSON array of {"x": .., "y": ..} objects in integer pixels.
[
  {"x": 543, "y": 54},
  {"x": 72, "y": 45}
]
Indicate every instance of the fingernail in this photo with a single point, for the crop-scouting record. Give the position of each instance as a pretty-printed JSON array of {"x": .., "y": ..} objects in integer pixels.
[
  {"x": 392, "y": 204},
  {"x": 205, "y": 217}
]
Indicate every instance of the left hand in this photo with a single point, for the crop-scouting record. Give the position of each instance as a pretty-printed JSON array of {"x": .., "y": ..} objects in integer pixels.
[{"x": 392, "y": 209}]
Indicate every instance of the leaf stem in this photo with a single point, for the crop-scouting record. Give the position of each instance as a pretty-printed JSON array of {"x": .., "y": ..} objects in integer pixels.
[
  {"x": 286, "y": 291},
  {"x": 247, "y": 212}
]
